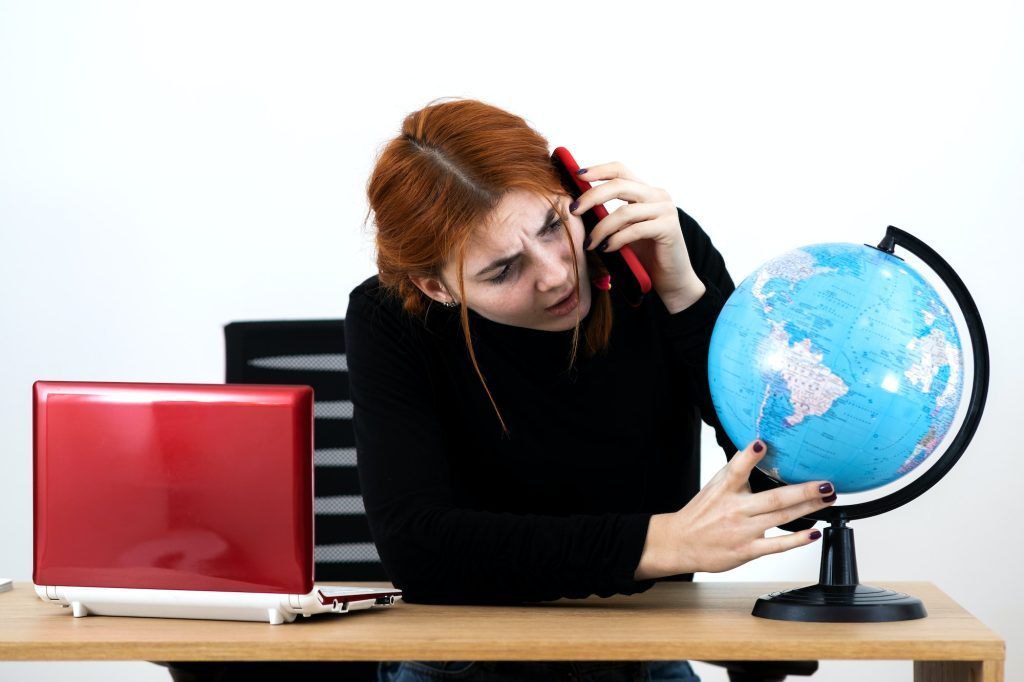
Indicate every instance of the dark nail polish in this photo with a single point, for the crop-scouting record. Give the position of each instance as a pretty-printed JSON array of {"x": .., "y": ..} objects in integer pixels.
[
  {"x": 587, "y": 242},
  {"x": 815, "y": 534},
  {"x": 603, "y": 246},
  {"x": 758, "y": 447},
  {"x": 830, "y": 498},
  {"x": 581, "y": 171},
  {"x": 573, "y": 206},
  {"x": 825, "y": 488}
]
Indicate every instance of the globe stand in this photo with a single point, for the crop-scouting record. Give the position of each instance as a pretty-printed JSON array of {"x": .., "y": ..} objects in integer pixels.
[{"x": 839, "y": 597}]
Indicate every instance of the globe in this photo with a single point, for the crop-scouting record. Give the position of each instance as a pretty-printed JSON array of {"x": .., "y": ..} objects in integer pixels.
[
  {"x": 849, "y": 365},
  {"x": 843, "y": 359}
]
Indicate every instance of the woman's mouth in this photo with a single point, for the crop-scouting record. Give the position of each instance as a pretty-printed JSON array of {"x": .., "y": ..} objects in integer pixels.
[{"x": 565, "y": 306}]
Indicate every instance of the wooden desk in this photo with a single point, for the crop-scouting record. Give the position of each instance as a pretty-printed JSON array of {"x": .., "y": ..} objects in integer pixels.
[{"x": 698, "y": 621}]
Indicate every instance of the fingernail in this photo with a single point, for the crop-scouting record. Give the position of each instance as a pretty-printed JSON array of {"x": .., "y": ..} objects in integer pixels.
[
  {"x": 586, "y": 242},
  {"x": 581, "y": 171},
  {"x": 830, "y": 498},
  {"x": 603, "y": 246},
  {"x": 815, "y": 534},
  {"x": 573, "y": 206},
  {"x": 757, "y": 446},
  {"x": 825, "y": 488}
]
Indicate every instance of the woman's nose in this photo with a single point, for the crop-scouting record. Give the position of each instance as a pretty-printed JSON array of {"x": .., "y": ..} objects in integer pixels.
[{"x": 555, "y": 268}]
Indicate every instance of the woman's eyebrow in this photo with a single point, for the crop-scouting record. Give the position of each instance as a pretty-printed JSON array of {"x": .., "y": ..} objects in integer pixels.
[{"x": 505, "y": 260}]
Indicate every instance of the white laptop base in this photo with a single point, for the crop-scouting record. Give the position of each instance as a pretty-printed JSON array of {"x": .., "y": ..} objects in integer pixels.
[{"x": 273, "y": 608}]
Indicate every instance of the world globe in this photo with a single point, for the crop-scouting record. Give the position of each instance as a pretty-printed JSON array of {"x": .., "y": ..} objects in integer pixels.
[
  {"x": 843, "y": 359},
  {"x": 848, "y": 364}
]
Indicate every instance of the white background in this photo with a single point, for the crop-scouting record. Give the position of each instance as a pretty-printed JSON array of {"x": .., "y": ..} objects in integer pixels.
[{"x": 167, "y": 168}]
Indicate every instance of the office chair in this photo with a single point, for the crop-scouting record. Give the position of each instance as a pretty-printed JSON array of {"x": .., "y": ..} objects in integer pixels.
[
  {"x": 308, "y": 353},
  {"x": 312, "y": 353}
]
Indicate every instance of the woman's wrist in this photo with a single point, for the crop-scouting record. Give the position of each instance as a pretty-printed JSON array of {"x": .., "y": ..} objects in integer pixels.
[
  {"x": 683, "y": 297},
  {"x": 661, "y": 556}
]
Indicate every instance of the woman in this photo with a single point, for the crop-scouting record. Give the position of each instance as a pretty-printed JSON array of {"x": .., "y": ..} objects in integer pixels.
[{"x": 522, "y": 434}]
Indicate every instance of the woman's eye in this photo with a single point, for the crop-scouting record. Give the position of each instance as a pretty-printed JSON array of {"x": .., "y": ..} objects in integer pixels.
[
  {"x": 503, "y": 275},
  {"x": 509, "y": 269}
]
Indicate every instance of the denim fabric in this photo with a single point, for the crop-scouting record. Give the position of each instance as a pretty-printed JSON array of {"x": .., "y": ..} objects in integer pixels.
[{"x": 506, "y": 671}]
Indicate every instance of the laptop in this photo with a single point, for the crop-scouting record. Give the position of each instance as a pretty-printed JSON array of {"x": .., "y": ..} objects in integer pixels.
[{"x": 179, "y": 501}]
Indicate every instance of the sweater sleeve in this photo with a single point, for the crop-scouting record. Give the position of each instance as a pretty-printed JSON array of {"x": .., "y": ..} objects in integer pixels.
[
  {"x": 689, "y": 335},
  {"x": 689, "y": 331},
  {"x": 433, "y": 549}
]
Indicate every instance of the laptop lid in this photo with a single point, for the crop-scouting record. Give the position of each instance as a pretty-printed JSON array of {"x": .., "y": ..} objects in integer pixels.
[{"x": 173, "y": 486}]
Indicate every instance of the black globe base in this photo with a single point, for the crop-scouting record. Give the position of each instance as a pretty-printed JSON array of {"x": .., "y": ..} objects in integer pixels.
[
  {"x": 839, "y": 597},
  {"x": 839, "y": 604}
]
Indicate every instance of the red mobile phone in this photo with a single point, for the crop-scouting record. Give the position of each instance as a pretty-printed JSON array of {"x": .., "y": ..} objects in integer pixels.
[{"x": 627, "y": 273}]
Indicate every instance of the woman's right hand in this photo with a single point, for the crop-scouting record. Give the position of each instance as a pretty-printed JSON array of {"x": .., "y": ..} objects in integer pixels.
[{"x": 723, "y": 526}]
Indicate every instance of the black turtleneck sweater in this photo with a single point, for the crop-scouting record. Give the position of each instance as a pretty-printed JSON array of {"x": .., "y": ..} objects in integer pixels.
[{"x": 461, "y": 513}]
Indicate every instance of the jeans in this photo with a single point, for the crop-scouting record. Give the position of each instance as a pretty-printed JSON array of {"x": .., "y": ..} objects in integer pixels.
[{"x": 513, "y": 671}]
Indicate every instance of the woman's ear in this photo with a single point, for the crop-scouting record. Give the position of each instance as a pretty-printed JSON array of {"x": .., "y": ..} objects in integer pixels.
[{"x": 434, "y": 288}]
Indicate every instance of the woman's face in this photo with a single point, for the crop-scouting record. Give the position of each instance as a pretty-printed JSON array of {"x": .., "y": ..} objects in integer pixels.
[{"x": 518, "y": 266}]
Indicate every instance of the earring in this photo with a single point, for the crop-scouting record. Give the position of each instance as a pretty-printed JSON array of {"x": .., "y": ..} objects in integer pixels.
[{"x": 449, "y": 304}]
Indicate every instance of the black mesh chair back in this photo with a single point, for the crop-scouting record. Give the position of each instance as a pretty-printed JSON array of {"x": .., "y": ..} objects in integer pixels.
[{"x": 312, "y": 353}]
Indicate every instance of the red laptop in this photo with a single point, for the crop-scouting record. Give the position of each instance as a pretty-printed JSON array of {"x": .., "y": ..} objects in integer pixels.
[{"x": 179, "y": 500}]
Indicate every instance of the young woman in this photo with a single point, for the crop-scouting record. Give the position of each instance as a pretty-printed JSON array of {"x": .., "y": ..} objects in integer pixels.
[{"x": 522, "y": 433}]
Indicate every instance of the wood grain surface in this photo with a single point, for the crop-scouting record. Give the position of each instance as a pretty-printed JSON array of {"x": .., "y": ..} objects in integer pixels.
[{"x": 700, "y": 621}]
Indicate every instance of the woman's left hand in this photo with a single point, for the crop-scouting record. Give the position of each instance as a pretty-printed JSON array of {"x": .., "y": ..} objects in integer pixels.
[{"x": 649, "y": 223}]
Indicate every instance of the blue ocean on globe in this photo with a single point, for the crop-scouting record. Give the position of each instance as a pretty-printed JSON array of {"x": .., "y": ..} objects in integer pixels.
[{"x": 843, "y": 359}]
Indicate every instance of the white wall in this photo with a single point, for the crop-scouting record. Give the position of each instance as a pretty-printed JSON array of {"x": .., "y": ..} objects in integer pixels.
[{"x": 166, "y": 168}]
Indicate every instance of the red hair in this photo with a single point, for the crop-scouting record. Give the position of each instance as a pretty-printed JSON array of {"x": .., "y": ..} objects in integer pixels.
[{"x": 438, "y": 182}]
